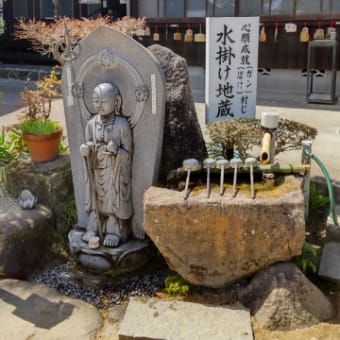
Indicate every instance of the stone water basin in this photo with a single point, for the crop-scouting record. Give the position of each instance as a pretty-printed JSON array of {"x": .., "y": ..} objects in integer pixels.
[{"x": 218, "y": 240}]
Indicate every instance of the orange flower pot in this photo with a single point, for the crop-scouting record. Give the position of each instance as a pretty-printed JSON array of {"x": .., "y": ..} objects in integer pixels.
[{"x": 43, "y": 148}]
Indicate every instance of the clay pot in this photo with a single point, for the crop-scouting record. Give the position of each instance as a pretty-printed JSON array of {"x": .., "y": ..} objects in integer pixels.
[{"x": 43, "y": 148}]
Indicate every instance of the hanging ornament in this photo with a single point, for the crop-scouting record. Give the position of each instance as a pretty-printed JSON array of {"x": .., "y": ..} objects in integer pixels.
[
  {"x": 276, "y": 31},
  {"x": 199, "y": 37},
  {"x": 263, "y": 35},
  {"x": 155, "y": 36},
  {"x": 331, "y": 31},
  {"x": 178, "y": 34},
  {"x": 147, "y": 31},
  {"x": 188, "y": 37},
  {"x": 319, "y": 33},
  {"x": 304, "y": 34}
]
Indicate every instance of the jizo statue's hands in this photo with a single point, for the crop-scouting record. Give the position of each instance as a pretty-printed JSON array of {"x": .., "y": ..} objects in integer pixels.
[
  {"x": 112, "y": 147},
  {"x": 85, "y": 149}
]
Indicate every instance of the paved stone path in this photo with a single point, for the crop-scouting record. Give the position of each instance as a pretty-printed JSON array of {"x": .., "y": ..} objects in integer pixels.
[
  {"x": 160, "y": 319},
  {"x": 30, "y": 311}
]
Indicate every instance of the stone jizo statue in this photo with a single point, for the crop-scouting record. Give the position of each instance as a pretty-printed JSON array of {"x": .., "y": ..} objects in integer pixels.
[{"x": 107, "y": 154}]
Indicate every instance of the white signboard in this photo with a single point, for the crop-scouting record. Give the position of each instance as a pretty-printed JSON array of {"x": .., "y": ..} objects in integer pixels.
[{"x": 231, "y": 67}]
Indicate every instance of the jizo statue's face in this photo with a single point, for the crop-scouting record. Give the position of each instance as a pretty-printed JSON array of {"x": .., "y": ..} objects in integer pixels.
[{"x": 104, "y": 100}]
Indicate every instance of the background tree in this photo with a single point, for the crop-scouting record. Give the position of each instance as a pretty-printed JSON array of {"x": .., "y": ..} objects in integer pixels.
[{"x": 48, "y": 38}]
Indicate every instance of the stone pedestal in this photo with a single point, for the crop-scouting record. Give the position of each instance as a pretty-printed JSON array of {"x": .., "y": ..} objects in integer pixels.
[
  {"x": 51, "y": 182},
  {"x": 127, "y": 257}
]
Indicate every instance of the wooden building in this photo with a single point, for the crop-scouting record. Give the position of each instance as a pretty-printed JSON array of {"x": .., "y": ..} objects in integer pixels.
[{"x": 282, "y": 48}]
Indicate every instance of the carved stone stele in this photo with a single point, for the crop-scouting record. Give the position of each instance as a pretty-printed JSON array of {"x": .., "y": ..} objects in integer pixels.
[{"x": 109, "y": 56}]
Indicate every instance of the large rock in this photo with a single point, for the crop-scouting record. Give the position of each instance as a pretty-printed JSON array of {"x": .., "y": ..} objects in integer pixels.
[
  {"x": 25, "y": 238},
  {"x": 30, "y": 311},
  {"x": 282, "y": 298},
  {"x": 214, "y": 242},
  {"x": 182, "y": 134}
]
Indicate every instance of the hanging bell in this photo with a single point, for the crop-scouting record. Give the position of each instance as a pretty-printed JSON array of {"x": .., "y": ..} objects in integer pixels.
[
  {"x": 331, "y": 32},
  {"x": 156, "y": 36},
  {"x": 199, "y": 37},
  {"x": 276, "y": 31},
  {"x": 177, "y": 36},
  {"x": 263, "y": 35},
  {"x": 304, "y": 34},
  {"x": 189, "y": 36},
  {"x": 319, "y": 33}
]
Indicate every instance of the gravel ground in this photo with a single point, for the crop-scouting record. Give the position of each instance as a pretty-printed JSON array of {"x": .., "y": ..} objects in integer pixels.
[{"x": 67, "y": 281}]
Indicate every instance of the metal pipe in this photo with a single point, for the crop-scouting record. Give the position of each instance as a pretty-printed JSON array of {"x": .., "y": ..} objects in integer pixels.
[
  {"x": 222, "y": 164},
  {"x": 235, "y": 163},
  {"x": 208, "y": 164}
]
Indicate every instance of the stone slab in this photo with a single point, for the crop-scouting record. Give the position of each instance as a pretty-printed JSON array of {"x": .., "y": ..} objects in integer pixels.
[
  {"x": 161, "y": 319},
  {"x": 329, "y": 263},
  {"x": 30, "y": 311}
]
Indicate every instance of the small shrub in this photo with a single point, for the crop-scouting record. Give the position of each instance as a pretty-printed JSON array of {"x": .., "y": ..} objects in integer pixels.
[
  {"x": 176, "y": 286},
  {"x": 38, "y": 102}
]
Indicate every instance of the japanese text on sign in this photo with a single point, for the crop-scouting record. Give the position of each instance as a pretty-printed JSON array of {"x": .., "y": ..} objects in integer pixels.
[{"x": 231, "y": 67}]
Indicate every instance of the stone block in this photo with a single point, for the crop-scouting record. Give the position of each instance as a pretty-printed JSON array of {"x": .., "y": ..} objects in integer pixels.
[
  {"x": 160, "y": 319},
  {"x": 218, "y": 240},
  {"x": 329, "y": 263}
]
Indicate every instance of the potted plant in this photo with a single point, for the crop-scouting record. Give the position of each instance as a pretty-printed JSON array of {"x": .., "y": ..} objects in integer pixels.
[{"x": 41, "y": 134}]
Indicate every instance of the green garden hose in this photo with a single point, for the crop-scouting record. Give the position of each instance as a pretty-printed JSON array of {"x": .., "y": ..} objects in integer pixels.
[{"x": 329, "y": 185}]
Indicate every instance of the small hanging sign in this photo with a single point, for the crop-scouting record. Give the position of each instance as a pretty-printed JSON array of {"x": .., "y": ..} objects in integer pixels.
[{"x": 290, "y": 27}]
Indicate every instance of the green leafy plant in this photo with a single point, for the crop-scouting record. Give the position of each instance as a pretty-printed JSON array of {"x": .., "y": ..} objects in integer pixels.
[
  {"x": 308, "y": 260},
  {"x": 63, "y": 146},
  {"x": 317, "y": 200},
  {"x": 69, "y": 215},
  {"x": 176, "y": 286},
  {"x": 16, "y": 140},
  {"x": 6, "y": 148}
]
